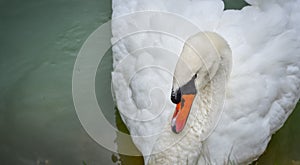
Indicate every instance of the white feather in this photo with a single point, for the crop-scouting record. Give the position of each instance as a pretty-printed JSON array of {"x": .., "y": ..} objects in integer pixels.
[{"x": 263, "y": 89}]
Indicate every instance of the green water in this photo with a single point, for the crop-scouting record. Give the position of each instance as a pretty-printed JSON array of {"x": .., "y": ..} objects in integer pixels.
[{"x": 39, "y": 41}]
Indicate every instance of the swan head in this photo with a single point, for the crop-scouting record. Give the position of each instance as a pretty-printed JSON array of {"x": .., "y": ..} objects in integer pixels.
[{"x": 203, "y": 56}]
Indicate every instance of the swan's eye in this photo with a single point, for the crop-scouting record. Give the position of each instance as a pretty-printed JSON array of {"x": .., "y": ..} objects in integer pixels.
[
  {"x": 195, "y": 75},
  {"x": 176, "y": 96}
]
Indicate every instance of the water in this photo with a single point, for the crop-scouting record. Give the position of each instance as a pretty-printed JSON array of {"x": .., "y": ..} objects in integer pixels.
[{"x": 39, "y": 41}]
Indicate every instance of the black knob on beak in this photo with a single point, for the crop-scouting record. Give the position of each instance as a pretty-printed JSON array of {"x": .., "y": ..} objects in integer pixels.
[{"x": 176, "y": 96}]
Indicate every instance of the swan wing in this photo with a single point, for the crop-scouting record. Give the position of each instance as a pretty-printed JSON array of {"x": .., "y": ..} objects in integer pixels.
[{"x": 265, "y": 81}]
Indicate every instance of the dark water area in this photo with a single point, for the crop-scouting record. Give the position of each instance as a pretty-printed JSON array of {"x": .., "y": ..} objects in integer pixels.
[{"x": 39, "y": 42}]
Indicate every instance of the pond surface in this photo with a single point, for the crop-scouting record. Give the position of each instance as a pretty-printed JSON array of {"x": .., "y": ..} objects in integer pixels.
[{"x": 39, "y": 42}]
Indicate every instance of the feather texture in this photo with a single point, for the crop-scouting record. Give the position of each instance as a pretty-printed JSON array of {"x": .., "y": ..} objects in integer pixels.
[{"x": 263, "y": 87}]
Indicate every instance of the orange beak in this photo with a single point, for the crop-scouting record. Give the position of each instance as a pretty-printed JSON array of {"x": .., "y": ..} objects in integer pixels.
[{"x": 182, "y": 112}]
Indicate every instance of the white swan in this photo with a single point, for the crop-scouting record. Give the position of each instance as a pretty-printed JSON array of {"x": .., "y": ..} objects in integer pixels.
[
  {"x": 199, "y": 84},
  {"x": 256, "y": 94}
]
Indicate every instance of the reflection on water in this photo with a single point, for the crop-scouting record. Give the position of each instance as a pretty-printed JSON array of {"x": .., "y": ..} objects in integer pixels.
[
  {"x": 284, "y": 147},
  {"x": 125, "y": 159},
  {"x": 104, "y": 97}
]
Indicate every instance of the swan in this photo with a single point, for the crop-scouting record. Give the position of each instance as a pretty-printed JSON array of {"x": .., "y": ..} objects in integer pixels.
[
  {"x": 210, "y": 90},
  {"x": 200, "y": 78}
]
